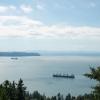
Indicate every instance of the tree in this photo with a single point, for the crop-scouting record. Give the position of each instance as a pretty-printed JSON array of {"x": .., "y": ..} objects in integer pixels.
[
  {"x": 68, "y": 97},
  {"x": 20, "y": 90},
  {"x": 95, "y": 75},
  {"x": 7, "y": 91}
]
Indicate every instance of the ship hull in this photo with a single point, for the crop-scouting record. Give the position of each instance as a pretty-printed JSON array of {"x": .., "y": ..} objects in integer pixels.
[{"x": 64, "y": 76}]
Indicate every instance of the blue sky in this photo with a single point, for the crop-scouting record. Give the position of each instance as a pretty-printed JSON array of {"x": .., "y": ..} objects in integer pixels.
[{"x": 60, "y": 25}]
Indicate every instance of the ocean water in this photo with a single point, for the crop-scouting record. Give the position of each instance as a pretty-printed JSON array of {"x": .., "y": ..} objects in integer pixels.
[{"x": 37, "y": 73}]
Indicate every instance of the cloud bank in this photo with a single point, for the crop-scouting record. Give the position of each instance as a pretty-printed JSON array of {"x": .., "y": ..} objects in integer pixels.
[{"x": 22, "y": 26}]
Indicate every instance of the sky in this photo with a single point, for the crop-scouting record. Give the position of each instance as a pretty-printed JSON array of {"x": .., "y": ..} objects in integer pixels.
[{"x": 51, "y": 25}]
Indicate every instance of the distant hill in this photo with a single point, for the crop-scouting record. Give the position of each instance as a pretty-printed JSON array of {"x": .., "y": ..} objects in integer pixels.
[
  {"x": 16, "y": 54},
  {"x": 48, "y": 53}
]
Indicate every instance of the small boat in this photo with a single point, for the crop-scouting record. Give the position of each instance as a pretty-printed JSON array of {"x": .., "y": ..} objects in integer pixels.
[
  {"x": 14, "y": 58},
  {"x": 64, "y": 76}
]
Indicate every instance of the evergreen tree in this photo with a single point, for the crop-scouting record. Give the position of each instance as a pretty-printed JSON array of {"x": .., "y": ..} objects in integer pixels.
[
  {"x": 95, "y": 74},
  {"x": 20, "y": 90},
  {"x": 68, "y": 97}
]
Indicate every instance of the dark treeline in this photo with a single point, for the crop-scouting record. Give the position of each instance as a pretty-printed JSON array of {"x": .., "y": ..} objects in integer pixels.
[{"x": 17, "y": 91}]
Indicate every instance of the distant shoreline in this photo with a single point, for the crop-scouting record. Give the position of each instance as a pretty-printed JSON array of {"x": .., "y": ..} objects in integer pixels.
[
  {"x": 46, "y": 53},
  {"x": 18, "y": 54}
]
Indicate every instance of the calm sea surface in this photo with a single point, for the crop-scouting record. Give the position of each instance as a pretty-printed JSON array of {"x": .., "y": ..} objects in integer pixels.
[{"x": 37, "y": 73}]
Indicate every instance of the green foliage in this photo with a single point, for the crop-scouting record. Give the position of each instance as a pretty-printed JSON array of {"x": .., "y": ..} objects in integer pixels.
[
  {"x": 20, "y": 90},
  {"x": 95, "y": 74},
  {"x": 12, "y": 91},
  {"x": 68, "y": 97}
]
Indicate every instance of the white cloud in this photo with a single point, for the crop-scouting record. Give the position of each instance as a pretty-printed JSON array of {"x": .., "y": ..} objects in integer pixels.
[
  {"x": 26, "y": 8},
  {"x": 4, "y": 9},
  {"x": 40, "y": 7},
  {"x": 40, "y": 4},
  {"x": 26, "y": 27},
  {"x": 12, "y": 7},
  {"x": 17, "y": 25}
]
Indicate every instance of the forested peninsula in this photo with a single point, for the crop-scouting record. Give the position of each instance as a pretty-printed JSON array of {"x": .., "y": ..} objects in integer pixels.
[{"x": 18, "y": 54}]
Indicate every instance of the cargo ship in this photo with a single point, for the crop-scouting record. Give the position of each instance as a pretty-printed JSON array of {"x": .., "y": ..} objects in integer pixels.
[{"x": 72, "y": 76}]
